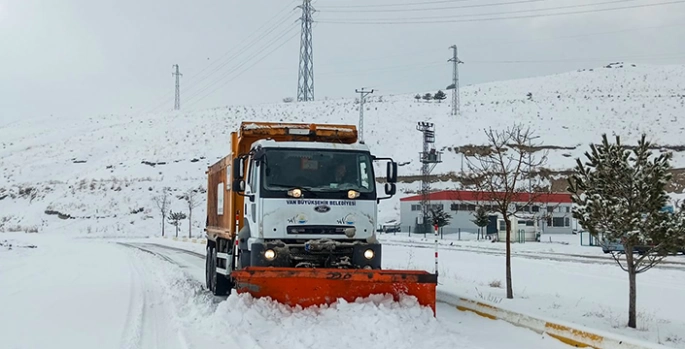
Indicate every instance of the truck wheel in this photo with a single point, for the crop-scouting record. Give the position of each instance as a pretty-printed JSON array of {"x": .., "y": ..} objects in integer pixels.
[
  {"x": 221, "y": 284},
  {"x": 208, "y": 268}
]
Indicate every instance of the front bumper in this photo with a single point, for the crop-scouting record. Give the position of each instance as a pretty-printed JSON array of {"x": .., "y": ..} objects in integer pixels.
[{"x": 348, "y": 255}]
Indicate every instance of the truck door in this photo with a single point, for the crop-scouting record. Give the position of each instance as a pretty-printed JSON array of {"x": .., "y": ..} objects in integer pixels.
[{"x": 252, "y": 189}]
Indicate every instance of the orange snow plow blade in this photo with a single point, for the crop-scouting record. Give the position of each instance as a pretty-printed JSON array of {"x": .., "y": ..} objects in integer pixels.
[{"x": 308, "y": 287}]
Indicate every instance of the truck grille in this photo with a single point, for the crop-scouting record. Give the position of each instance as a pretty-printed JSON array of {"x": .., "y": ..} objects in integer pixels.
[{"x": 317, "y": 230}]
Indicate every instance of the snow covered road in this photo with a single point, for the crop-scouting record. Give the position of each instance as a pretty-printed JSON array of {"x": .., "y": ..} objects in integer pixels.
[{"x": 86, "y": 293}]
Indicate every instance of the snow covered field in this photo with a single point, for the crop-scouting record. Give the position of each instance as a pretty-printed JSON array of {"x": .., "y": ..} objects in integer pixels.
[
  {"x": 112, "y": 165},
  {"x": 89, "y": 293},
  {"x": 75, "y": 181}
]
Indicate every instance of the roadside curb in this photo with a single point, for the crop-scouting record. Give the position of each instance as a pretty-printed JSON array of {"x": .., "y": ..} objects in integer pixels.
[
  {"x": 572, "y": 334},
  {"x": 193, "y": 240}
]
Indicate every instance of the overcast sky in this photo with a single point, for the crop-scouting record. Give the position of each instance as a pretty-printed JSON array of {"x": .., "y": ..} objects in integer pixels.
[{"x": 85, "y": 57}]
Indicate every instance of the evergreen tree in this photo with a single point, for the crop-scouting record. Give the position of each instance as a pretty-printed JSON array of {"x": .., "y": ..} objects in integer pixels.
[
  {"x": 440, "y": 95},
  {"x": 481, "y": 220},
  {"x": 440, "y": 217},
  {"x": 427, "y": 96},
  {"x": 417, "y": 97},
  {"x": 620, "y": 195}
]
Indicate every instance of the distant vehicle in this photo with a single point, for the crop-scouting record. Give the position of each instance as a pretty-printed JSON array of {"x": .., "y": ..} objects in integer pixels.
[
  {"x": 392, "y": 226},
  {"x": 617, "y": 246}
]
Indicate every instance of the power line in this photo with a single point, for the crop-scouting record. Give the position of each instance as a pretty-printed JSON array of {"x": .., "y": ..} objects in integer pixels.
[
  {"x": 396, "y": 5},
  {"x": 407, "y": 21},
  {"x": 250, "y": 66},
  {"x": 441, "y": 8},
  {"x": 245, "y": 44},
  {"x": 245, "y": 40},
  {"x": 511, "y": 12},
  {"x": 492, "y": 43},
  {"x": 214, "y": 79},
  {"x": 225, "y": 77},
  {"x": 384, "y": 69},
  {"x": 241, "y": 50}
]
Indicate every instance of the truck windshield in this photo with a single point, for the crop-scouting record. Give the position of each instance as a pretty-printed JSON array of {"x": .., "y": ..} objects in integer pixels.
[{"x": 318, "y": 170}]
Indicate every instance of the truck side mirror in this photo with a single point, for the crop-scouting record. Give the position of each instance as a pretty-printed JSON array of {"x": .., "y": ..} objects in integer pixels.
[
  {"x": 237, "y": 168},
  {"x": 392, "y": 172},
  {"x": 239, "y": 185},
  {"x": 238, "y": 181},
  {"x": 390, "y": 189}
]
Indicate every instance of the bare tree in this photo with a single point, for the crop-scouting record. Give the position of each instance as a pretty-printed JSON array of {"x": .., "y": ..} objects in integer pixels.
[
  {"x": 192, "y": 200},
  {"x": 162, "y": 201},
  {"x": 175, "y": 219},
  {"x": 499, "y": 176}
]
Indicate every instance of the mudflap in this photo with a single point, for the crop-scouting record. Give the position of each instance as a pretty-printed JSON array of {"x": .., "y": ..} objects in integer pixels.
[{"x": 308, "y": 286}]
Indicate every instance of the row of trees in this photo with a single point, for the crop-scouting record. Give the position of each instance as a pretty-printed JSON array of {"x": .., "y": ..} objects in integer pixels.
[
  {"x": 191, "y": 198},
  {"x": 619, "y": 194},
  {"x": 438, "y": 96}
]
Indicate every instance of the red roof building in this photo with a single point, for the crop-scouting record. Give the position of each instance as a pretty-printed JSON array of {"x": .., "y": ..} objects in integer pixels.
[
  {"x": 552, "y": 210},
  {"x": 474, "y": 196}
]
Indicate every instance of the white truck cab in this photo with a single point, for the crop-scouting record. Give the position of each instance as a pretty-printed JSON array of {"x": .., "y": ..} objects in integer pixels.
[{"x": 309, "y": 204}]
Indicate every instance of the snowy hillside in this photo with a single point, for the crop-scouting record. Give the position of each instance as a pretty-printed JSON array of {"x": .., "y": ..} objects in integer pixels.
[{"x": 104, "y": 171}]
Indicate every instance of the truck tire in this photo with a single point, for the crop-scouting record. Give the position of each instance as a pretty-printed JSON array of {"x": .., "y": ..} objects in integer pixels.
[
  {"x": 208, "y": 267},
  {"x": 219, "y": 284}
]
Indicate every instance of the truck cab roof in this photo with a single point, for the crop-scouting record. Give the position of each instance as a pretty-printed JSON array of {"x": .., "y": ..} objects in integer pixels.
[{"x": 270, "y": 143}]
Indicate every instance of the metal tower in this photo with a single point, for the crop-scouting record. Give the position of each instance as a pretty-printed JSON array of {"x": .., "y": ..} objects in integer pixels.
[
  {"x": 177, "y": 100},
  {"x": 363, "y": 94},
  {"x": 455, "y": 80},
  {"x": 305, "y": 79},
  {"x": 429, "y": 158}
]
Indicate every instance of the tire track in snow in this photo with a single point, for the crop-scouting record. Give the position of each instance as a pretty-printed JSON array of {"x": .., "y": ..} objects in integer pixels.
[
  {"x": 150, "y": 319},
  {"x": 196, "y": 334},
  {"x": 134, "y": 324}
]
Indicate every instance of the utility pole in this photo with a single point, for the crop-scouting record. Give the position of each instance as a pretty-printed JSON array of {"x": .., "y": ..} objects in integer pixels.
[
  {"x": 177, "y": 100},
  {"x": 363, "y": 95},
  {"x": 455, "y": 80},
  {"x": 305, "y": 79},
  {"x": 429, "y": 158}
]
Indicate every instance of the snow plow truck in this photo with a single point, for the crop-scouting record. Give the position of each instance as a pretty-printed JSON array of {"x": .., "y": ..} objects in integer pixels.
[{"x": 291, "y": 215}]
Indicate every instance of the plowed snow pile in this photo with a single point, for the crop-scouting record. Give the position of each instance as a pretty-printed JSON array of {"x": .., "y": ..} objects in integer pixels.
[{"x": 262, "y": 323}]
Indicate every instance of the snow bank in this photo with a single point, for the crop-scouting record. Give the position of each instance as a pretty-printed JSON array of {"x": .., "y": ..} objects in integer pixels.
[
  {"x": 589, "y": 294},
  {"x": 375, "y": 320},
  {"x": 263, "y": 323}
]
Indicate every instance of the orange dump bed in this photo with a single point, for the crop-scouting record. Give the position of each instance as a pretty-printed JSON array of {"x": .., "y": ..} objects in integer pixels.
[{"x": 308, "y": 287}]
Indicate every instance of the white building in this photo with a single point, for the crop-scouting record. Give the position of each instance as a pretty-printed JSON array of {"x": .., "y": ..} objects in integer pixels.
[{"x": 550, "y": 213}]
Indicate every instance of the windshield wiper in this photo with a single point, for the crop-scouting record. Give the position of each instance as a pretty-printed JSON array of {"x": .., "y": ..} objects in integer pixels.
[
  {"x": 346, "y": 186},
  {"x": 289, "y": 186}
]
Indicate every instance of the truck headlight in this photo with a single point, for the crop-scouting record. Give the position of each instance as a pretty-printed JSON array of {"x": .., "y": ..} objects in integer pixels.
[
  {"x": 368, "y": 254},
  {"x": 269, "y": 254},
  {"x": 353, "y": 194}
]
